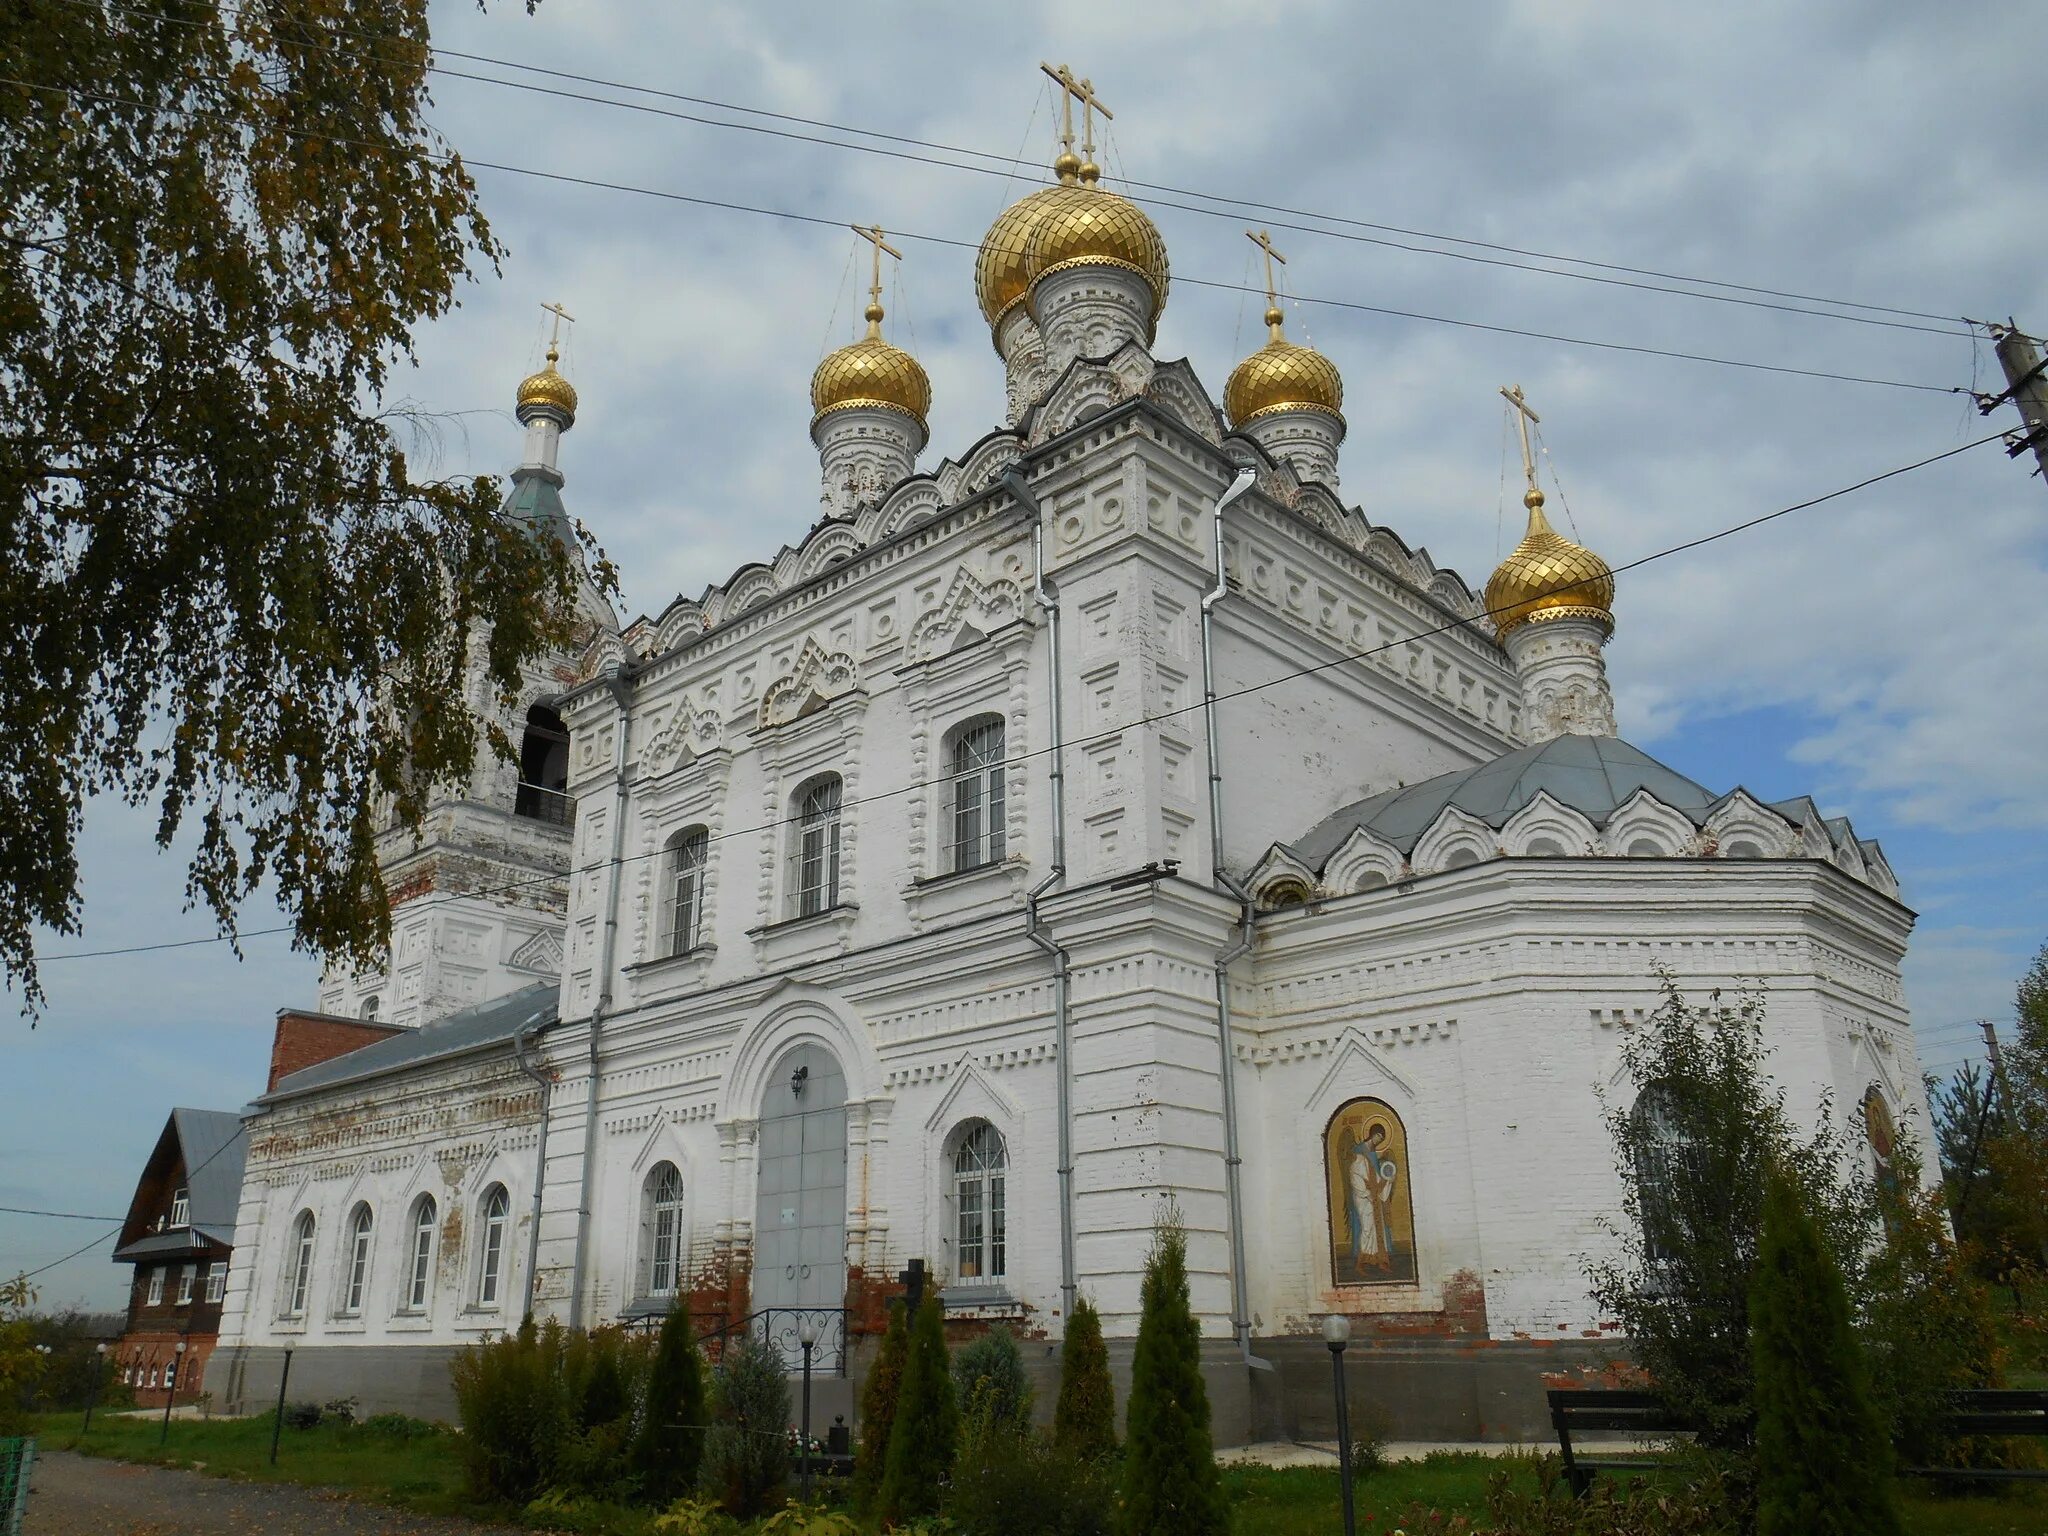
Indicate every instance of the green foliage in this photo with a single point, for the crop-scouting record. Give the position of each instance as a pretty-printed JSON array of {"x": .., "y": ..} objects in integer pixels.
[
  {"x": 512, "y": 1397},
  {"x": 808, "y": 1520},
  {"x": 21, "y": 1367},
  {"x": 303, "y": 1416},
  {"x": 746, "y": 1452},
  {"x": 694, "y": 1517},
  {"x": 1084, "y": 1418},
  {"x": 1823, "y": 1468},
  {"x": 926, "y": 1432},
  {"x": 878, "y": 1408},
  {"x": 993, "y": 1366},
  {"x": 228, "y": 592},
  {"x": 1170, "y": 1486},
  {"x": 670, "y": 1448},
  {"x": 1010, "y": 1481},
  {"x": 1693, "y": 1173},
  {"x": 1533, "y": 1499}
]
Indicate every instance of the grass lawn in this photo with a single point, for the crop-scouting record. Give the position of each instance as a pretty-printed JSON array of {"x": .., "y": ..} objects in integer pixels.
[{"x": 424, "y": 1473}]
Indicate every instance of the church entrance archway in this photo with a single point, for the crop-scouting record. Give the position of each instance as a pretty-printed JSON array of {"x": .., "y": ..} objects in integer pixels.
[{"x": 800, "y": 1204}]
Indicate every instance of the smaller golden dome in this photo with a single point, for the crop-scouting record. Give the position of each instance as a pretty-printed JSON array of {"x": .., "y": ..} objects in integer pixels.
[
  {"x": 1081, "y": 223},
  {"x": 548, "y": 388},
  {"x": 871, "y": 373},
  {"x": 1281, "y": 376},
  {"x": 1549, "y": 577}
]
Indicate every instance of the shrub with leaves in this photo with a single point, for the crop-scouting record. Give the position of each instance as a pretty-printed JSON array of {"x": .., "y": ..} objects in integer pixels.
[
  {"x": 1170, "y": 1485},
  {"x": 21, "y": 1366},
  {"x": 694, "y": 1517},
  {"x": 1697, "y": 1500},
  {"x": 746, "y": 1450},
  {"x": 514, "y": 1411},
  {"x": 923, "y": 1439},
  {"x": 1012, "y": 1482},
  {"x": 1084, "y": 1418},
  {"x": 993, "y": 1366},
  {"x": 670, "y": 1447},
  {"x": 809, "y": 1520},
  {"x": 878, "y": 1407}
]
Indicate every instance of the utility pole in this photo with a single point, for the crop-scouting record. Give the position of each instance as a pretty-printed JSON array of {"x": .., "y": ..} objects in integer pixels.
[
  {"x": 1997, "y": 1065},
  {"x": 2026, "y": 386}
]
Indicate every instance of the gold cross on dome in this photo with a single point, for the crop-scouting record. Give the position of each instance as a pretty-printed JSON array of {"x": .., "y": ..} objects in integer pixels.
[
  {"x": 555, "y": 337},
  {"x": 1073, "y": 90},
  {"x": 876, "y": 237},
  {"x": 1523, "y": 416},
  {"x": 1264, "y": 242}
]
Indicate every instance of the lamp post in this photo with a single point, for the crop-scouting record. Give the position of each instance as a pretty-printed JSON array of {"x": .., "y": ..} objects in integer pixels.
[
  {"x": 807, "y": 1335},
  {"x": 92, "y": 1394},
  {"x": 37, "y": 1398},
  {"x": 171, "y": 1390},
  {"x": 1337, "y": 1334}
]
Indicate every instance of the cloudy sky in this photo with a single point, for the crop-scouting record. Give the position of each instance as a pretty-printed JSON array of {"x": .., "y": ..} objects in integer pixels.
[{"x": 1882, "y": 652}]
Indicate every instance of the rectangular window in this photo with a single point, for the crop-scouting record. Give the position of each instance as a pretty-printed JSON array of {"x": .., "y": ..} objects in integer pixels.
[
  {"x": 216, "y": 1283},
  {"x": 978, "y": 797},
  {"x": 970, "y": 1229},
  {"x": 688, "y": 855},
  {"x": 185, "y": 1285},
  {"x": 181, "y": 1209},
  {"x": 156, "y": 1288}
]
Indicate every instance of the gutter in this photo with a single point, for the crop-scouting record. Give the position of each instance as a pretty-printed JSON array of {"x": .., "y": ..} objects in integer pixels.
[
  {"x": 1240, "y": 1305},
  {"x": 620, "y": 685},
  {"x": 1047, "y": 598},
  {"x": 532, "y": 1031}
]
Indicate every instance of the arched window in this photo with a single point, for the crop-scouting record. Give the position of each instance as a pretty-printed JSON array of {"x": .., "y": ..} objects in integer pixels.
[
  {"x": 1287, "y": 891},
  {"x": 661, "y": 1229},
  {"x": 1645, "y": 848},
  {"x": 298, "y": 1266},
  {"x": 1663, "y": 1156},
  {"x": 490, "y": 1253},
  {"x": 1463, "y": 858},
  {"x": 1545, "y": 848},
  {"x": 544, "y": 769},
  {"x": 370, "y": 1005},
  {"x": 975, "y": 796},
  {"x": 814, "y": 847},
  {"x": 980, "y": 1164},
  {"x": 1369, "y": 1183},
  {"x": 683, "y": 889},
  {"x": 357, "y": 1279},
  {"x": 419, "y": 1259}
]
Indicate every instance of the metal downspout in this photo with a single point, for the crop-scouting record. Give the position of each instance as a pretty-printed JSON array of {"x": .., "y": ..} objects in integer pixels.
[
  {"x": 528, "y": 1033},
  {"x": 1240, "y": 1303},
  {"x": 616, "y": 680},
  {"x": 1034, "y": 927}
]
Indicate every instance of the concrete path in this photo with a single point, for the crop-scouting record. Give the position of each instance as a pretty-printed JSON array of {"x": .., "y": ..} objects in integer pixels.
[
  {"x": 73, "y": 1495},
  {"x": 1323, "y": 1453}
]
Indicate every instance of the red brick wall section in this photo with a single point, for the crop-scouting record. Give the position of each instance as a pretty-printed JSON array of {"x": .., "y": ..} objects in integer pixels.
[{"x": 305, "y": 1040}]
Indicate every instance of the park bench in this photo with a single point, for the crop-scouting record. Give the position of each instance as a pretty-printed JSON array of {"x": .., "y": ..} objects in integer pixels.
[
  {"x": 1615, "y": 1410},
  {"x": 1991, "y": 1413}
]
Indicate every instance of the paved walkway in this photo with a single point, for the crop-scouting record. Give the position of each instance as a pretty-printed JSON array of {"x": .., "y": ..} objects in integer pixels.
[
  {"x": 1323, "y": 1453},
  {"x": 73, "y": 1495}
]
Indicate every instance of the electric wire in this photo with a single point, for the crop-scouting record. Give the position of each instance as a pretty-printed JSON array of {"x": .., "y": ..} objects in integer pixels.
[
  {"x": 22, "y": 1210},
  {"x": 240, "y": 1131},
  {"x": 1102, "y": 737}
]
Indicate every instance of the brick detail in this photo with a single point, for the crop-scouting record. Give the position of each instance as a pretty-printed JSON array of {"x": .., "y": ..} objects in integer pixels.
[{"x": 307, "y": 1039}]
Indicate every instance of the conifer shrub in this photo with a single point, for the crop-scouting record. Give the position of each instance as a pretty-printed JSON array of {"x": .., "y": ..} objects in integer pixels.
[
  {"x": 670, "y": 1446},
  {"x": 878, "y": 1407},
  {"x": 1823, "y": 1466},
  {"x": 512, "y": 1399},
  {"x": 1170, "y": 1484},
  {"x": 746, "y": 1451},
  {"x": 1084, "y": 1418},
  {"x": 925, "y": 1435},
  {"x": 993, "y": 1367}
]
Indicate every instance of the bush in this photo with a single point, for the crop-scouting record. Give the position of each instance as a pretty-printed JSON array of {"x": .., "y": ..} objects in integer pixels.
[
  {"x": 396, "y": 1427},
  {"x": 878, "y": 1408},
  {"x": 1012, "y": 1484},
  {"x": 1697, "y": 1502},
  {"x": 303, "y": 1415},
  {"x": 746, "y": 1450},
  {"x": 992, "y": 1366},
  {"x": 1822, "y": 1467},
  {"x": 513, "y": 1402},
  {"x": 1368, "y": 1441},
  {"x": 1170, "y": 1486},
  {"x": 670, "y": 1448},
  {"x": 927, "y": 1429},
  {"x": 1084, "y": 1419},
  {"x": 342, "y": 1410},
  {"x": 694, "y": 1517}
]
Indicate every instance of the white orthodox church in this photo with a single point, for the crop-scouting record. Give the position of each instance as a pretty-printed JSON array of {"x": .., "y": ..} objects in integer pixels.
[{"x": 1102, "y": 816}]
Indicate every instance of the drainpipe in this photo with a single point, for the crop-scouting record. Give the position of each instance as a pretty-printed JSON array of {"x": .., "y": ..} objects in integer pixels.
[
  {"x": 1034, "y": 927},
  {"x": 1240, "y": 1305},
  {"x": 621, "y": 690},
  {"x": 528, "y": 1033}
]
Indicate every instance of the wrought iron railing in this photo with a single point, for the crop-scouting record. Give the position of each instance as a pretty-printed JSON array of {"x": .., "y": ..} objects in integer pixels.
[
  {"x": 542, "y": 804},
  {"x": 780, "y": 1328}
]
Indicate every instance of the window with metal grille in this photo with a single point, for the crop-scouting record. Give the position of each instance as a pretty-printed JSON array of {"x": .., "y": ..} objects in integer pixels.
[
  {"x": 420, "y": 1262},
  {"x": 497, "y": 1207},
  {"x": 814, "y": 847},
  {"x": 980, "y": 1162},
  {"x": 975, "y": 797},
  {"x": 661, "y": 1226},
  {"x": 358, "y": 1277},
  {"x": 299, "y": 1266},
  {"x": 689, "y": 851}
]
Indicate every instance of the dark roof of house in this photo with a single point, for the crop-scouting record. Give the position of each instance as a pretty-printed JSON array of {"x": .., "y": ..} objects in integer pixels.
[{"x": 499, "y": 1020}]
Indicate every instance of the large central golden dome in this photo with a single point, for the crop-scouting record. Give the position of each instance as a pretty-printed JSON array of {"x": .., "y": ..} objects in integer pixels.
[
  {"x": 871, "y": 372},
  {"x": 1002, "y": 269},
  {"x": 1282, "y": 376},
  {"x": 548, "y": 389},
  {"x": 1549, "y": 577},
  {"x": 1076, "y": 222}
]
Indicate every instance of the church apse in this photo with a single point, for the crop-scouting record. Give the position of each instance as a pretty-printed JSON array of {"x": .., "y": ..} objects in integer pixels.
[{"x": 1368, "y": 1192}]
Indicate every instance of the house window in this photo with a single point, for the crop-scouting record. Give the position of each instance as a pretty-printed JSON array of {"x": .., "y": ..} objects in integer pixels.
[
  {"x": 358, "y": 1263},
  {"x": 544, "y": 769},
  {"x": 299, "y": 1266},
  {"x": 171, "y": 1374},
  {"x": 370, "y": 1006},
  {"x": 181, "y": 1209},
  {"x": 974, "y": 759},
  {"x": 979, "y": 1164},
  {"x": 216, "y": 1283},
  {"x": 152, "y": 1377},
  {"x": 490, "y": 1268},
  {"x": 814, "y": 849},
  {"x": 421, "y": 1259},
  {"x": 688, "y": 852},
  {"x": 185, "y": 1273},
  {"x": 156, "y": 1288},
  {"x": 661, "y": 1225}
]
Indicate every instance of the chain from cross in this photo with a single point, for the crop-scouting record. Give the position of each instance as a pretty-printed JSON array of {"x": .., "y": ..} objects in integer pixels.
[
  {"x": 1264, "y": 242},
  {"x": 1523, "y": 417},
  {"x": 1083, "y": 91},
  {"x": 876, "y": 237}
]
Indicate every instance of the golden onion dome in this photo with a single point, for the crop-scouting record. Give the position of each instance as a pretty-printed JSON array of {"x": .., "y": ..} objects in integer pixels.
[
  {"x": 548, "y": 388},
  {"x": 1002, "y": 272},
  {"x": 1547, "y": 577},
  {"x": 1281, "y": 376},
  {"x": 1082, "y": 223},
  {"x": 871, "y": 373}
]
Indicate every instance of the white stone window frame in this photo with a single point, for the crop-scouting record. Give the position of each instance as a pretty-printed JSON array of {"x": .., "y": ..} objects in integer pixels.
[
  {"x": 649, "y": 1281},
  {"x": 827, "y": 740},
  {"x": 691, "y": 794},
  {"x": 995, "y": 1237},
  {"x": 295, "y": 1292},
  {"x": 814, "y": 829},
  {"x": 491, "y": 1276},
  {"x": 422, "y": 1239},
  {"x": 975, "y": 818},
  {"x": 357, "y": 1251}
]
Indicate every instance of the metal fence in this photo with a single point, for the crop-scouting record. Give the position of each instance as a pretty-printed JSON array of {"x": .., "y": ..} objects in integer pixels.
[
  {"x": 17, "y": 1457},
  {"x": 780, "y": 1328}
]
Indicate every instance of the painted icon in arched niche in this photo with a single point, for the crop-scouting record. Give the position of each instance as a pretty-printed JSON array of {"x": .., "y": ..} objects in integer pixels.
[
  {"x": 1369, "y": 1190},
  {"x": 1883, "y": 1135}
]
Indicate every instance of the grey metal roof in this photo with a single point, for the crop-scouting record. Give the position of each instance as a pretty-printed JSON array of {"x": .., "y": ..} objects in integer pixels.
[
  {"x": 166, "y": 1245},
  {"x": 536, "y": 501},
  {"x": 214, "y": 1149},
  {"x": 485, "y": 1024},
  {"x": 1594, "y": 775}
]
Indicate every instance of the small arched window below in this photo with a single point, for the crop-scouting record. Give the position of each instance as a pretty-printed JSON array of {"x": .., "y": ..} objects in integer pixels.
[
  {"x": 298, "y": 1266},
  {"x": 981, "y": 1219},
  {"x": 494, "y": 1213},
  {"x": 1463, "y": 858},
  {"x": 1645, "y": 848},
  {"x": 1545, "y": 848},
  {"x": 370, "y": 1006},
  {"x": 1285, "y": 892},
  {"x": 661, "y": 1228},
  {"x": 1741, "y": 848},
  {"x": 357, "y": 1278}
]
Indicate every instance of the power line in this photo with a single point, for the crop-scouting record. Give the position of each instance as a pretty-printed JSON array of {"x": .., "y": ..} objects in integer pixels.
[
  {"x": 240, "y": 1131},
  {"x": 22, "y": 1210},
  {"x": 1110, "y": 734}
]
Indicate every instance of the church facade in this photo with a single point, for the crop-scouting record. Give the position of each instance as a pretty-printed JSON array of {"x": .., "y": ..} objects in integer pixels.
[{"x": 1107, "y": 820}]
